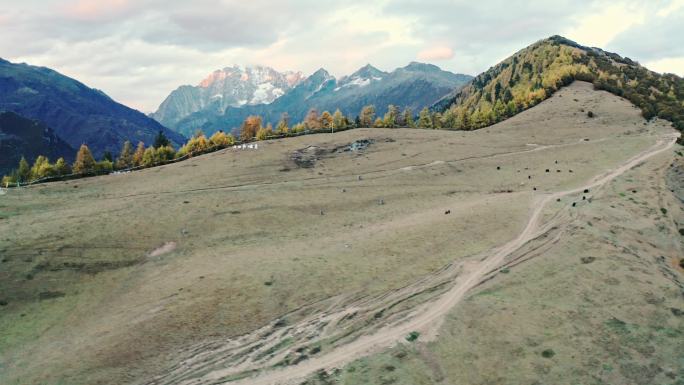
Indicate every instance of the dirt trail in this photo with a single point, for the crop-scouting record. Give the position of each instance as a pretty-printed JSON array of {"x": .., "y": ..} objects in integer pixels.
[{"x": 426, "y": 317}]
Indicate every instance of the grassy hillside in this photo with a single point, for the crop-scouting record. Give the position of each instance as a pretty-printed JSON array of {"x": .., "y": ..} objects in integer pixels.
[
  {"x": 119, "y": 279},
  {"x": 536, "y": 72}
]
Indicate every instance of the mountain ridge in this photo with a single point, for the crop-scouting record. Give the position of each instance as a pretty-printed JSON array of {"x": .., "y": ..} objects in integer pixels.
[
  {"x": 77, "y": 113},
  {"x": 415, "y": 86},
  {"x": 228, "y": 87},
  {"x": 28, "y": 138}
]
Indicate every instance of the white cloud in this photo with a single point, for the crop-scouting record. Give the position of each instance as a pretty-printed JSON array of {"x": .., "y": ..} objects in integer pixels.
[
  {"x": 603, "y": 24},
  {"x": 436, "y": 53},
  {"x": 674, "y": 5},
  {"x": 138, "y": 51},
  {"x": 674, "y": 65}
]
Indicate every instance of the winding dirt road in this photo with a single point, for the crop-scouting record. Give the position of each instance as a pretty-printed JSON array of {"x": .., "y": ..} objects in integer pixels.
[{"x": 427, "y": 317}]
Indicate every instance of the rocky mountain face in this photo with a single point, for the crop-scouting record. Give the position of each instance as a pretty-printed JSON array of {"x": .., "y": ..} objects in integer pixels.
[
  {"x": 229, "y": 87},
  {"x": 78, "y": 114},
  {"x": 415, "y": 86},
  {"x": 28, "y": 138}
]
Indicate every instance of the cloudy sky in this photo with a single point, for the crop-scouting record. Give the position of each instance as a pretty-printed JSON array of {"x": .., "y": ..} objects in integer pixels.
[{"x": 138, "y": 51}]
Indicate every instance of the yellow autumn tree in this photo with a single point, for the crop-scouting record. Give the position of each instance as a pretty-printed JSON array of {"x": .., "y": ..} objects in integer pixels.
[
  {"x": 62, "y": 167},
  {"x": 250, "y": 127},
  {"x": 312, "y": 121},
  {"x": 283, "y": 124},
  {"x": 42, "y": 168},
  {"x": 367, "y": 116},
  {"x": 138, "y": 155},
  {"x": 125, "y": 159},
  {"x": 221, "y": 139},
  {"x": 84, "y": 163},
  {"x": 326, "y": 120},
  {"x": 338, "y": 120}
]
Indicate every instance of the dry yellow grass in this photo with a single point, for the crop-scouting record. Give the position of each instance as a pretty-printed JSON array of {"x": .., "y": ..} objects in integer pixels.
[{"x": 251, "y": 244}]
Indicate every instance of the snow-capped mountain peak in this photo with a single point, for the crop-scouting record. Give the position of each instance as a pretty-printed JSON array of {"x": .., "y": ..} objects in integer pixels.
[
  {"x": 362, "y": 77},
  {"x": 228, "y": 87}
]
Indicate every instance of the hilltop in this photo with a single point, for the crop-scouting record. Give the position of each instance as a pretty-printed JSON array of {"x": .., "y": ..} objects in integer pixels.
[{"x": 534, "y": 73}]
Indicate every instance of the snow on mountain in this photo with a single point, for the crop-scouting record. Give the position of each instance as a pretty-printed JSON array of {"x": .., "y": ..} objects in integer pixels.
[
  {"x": 228, "y": 87},
  {"x": 415, "y": 86}
]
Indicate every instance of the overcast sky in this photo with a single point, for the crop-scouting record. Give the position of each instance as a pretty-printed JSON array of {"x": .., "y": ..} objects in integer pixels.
[{"x": 138, "y": 51}]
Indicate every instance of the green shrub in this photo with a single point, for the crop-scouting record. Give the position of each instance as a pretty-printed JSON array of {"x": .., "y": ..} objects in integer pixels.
[
  {"x": 164, "y": 154},
  {"x": 412, "y": 336},
  {"x": 548, "y": 353},
  {"x": 104, "y": 167}
]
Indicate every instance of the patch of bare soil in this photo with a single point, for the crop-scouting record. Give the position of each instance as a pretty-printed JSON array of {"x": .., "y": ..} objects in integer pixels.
[
  {"x": 308, "y": 156},
  {"x": 167, "y": 247}
]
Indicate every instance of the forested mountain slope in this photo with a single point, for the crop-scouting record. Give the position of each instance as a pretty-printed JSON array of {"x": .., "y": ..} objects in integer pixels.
[
  {"x": 21, "y": 137},
  {"x": 534, "y": 73},
  {"x": 77, "y": 113}
]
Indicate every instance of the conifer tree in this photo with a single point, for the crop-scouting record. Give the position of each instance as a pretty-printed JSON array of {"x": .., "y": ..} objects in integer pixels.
[
  {"x": 264, "y": 132},
  {"x": 221, "y": 139},
  {"x": 390, "y": 119},
  {"x": 125, "y": 159},
  {"x": 299, "y": 127},
  {"x": 408, "y": 118},
  {"x": 312, "y": 120},
  {"x": 197, "y": 144},
  {"x": 464, "y": 119},
  {"x": 161, "y": 140},
  {"x": 436, "y": 120},
  {"x": 338, "y": 120},
  {"x": 283, "y": 124},
  {"x": 85, "y": 163},
  {"x": 24, "y": 171},
  {"x": 250, "y": 127},
  {"x": 41, "y": 168},
  {"x": 326, "y": 120},
  {"x": 149, "y": 157},
  {"x": 367, "y": 116},
  {"x": 62, "y": 167},
  {"x": 138, "y": 154},
  {"x": 424, "y": 118},
  {"x": 164, "y": 154},
  {"x": 449, "y": 118}
]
